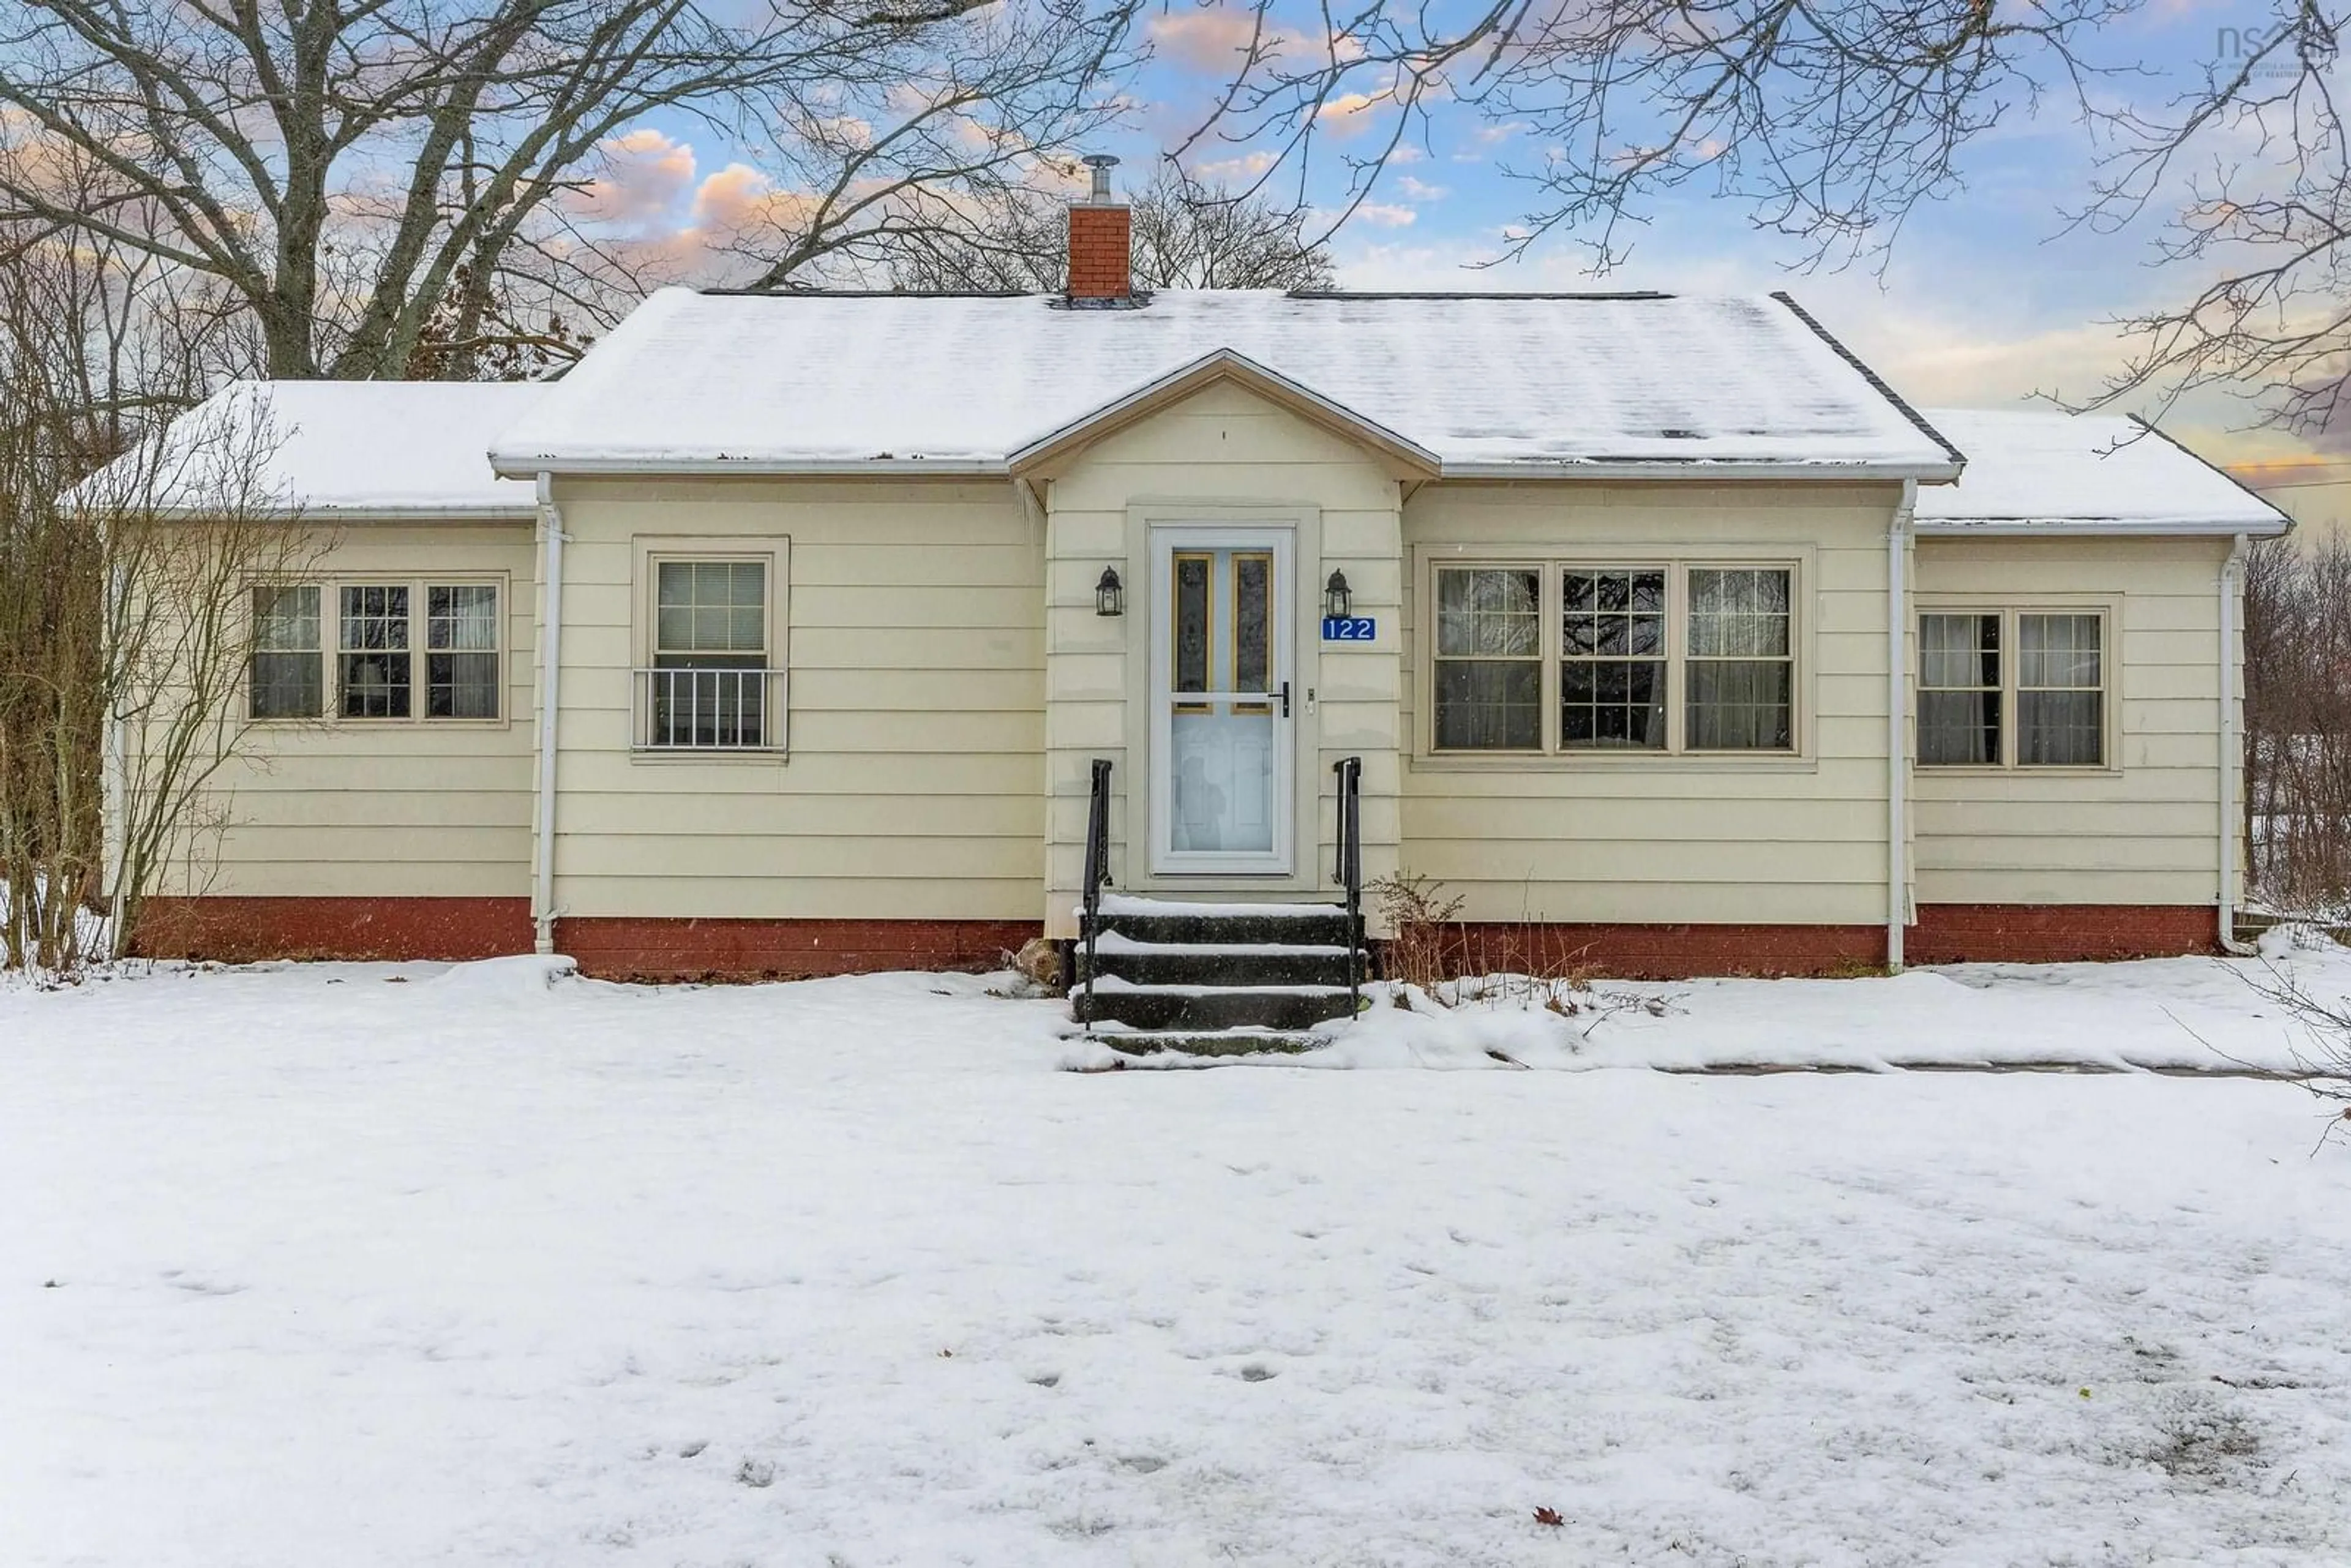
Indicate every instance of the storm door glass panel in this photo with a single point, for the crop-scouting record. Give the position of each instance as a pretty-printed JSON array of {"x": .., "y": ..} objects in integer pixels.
[
  {"x": 710, "y": 653},
  {"x": 1741, "y": 673},
  {"x": 374, "y": 676},
  {"x": 2060, "y": 691},
  {"x": 1612, "y": 672},
  {"x": 1223, "y": 773},
  {"x": 288, "y": 675},
  {"x": 1488, "y": 684},
  {"x": 461, "y": 651},
  {"x": 1252, "y": 624},
  {"x": 1192, "y": 623},
  {"x": 1959, "y": 691}
]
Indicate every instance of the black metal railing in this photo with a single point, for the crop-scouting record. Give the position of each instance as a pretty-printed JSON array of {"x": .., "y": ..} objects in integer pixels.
[
  {"x": 1350, "y": 869},
  {"x": 1097, "y": 872}
]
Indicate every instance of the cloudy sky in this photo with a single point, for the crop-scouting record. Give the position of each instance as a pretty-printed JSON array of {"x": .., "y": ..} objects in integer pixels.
[{"x": 1988, "y": 298}]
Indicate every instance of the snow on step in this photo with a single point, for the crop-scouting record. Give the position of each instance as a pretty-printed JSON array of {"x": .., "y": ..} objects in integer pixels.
[
  {"x": 1120, "y": 903},
  {"x": 1113, "y": 983},
  {"x": 1117, "y": 942}
]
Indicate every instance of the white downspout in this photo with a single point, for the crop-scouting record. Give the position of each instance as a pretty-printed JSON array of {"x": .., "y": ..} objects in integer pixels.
[
  {"x": 1897, "y": 621},
  {"x": 2231, "y": 758},
  {"x": 115, "y": 822},
  {"x": 551, "y": 537}
]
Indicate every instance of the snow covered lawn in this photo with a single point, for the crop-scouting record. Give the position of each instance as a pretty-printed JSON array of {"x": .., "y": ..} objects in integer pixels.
[{"x": 358, "y": 1266}]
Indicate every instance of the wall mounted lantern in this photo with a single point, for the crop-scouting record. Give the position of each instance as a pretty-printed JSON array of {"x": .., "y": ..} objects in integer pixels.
[
  {"x": 1337, "y": 604},
  {"x": 1110, "y": 595}
]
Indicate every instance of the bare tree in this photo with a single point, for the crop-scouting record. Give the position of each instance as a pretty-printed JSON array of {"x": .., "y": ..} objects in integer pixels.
[
  {"x": 1831, "y": 120},
  {"x": 2264, "y": 227},
  {"x": 2298, "y": 724},
  {"x": 1186, "y": 234},
  {"x": 365, "y": 176},
  {"x": 119, "y": 616}
]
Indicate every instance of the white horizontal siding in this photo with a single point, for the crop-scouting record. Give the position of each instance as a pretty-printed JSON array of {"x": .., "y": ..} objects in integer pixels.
[
  {"x": 911, "y": 637},
  {"x": 389, "y": 808},
  {"x": 2144, "y": 832},
  {"x": 1656, "y": 839}
]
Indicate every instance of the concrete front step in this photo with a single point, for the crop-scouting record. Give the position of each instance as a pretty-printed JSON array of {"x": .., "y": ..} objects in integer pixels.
[
  {"x": 1221, "y": 1042},
  {"x": 1203, "y": 1007},
  {"x": 1180, "y": 929},
  {"x": 1145, "y": 965}
]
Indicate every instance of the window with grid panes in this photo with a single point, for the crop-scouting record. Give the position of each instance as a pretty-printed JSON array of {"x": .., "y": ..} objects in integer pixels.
[
  {"x": 2012, "y": 688},
  {"x": 371, "y": 673},
  {"x": 1489, "y": 662},
  {"x": 288, "y": 673},
  {"x": 1612, "y": 675},
  {"x": 1961, "y": 684},
  {"x": 710, "y": 653},
  {"x": 1633, "y": 642},
  {"x": 2060, "y": 690},
  {"x": 1740, "y": 669}
]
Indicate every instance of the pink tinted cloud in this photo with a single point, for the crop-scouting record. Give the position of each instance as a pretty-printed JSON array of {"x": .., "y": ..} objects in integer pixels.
[
  {"x": 1212, "y": 38},
  {"x": 645, "y": 173}
]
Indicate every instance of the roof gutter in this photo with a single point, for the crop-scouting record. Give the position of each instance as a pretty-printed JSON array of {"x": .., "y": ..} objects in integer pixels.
[
  {"x": 504, "y": 512},
  {"x": 1706, "y": 468},
  {"x": 996, "y": 468},
  {"x": 2112, "y": 528},
  {"x": 749, "y": 468}
]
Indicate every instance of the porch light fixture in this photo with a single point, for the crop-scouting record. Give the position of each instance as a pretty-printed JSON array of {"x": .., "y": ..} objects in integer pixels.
[
  {"x": 1110, "y": 594},
  {"x": 1337, "y": 604}
]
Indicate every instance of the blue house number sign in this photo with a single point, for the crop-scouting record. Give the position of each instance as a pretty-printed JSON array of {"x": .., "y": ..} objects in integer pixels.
[{"x": 1350, "y": 629}]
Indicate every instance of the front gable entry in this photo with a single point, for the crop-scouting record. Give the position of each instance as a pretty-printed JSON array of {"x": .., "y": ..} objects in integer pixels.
[
  {"x": 1052, "y": 454},
  {"x": 1231, "y": 475}
]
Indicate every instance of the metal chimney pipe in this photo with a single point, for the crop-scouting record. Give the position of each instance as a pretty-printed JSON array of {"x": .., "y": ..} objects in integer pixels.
[{"x": 1102, "y": 163}]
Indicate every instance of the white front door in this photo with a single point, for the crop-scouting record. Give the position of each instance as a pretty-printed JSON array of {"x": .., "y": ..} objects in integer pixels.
[{"x": 1221, "y": 730}]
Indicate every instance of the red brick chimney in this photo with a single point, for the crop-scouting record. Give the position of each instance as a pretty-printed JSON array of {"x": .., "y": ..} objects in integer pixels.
[{"x": 1101, "y": 243}]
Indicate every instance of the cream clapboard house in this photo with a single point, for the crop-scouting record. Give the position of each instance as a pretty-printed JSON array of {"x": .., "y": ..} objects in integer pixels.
[{"x": 783, "y": 633}]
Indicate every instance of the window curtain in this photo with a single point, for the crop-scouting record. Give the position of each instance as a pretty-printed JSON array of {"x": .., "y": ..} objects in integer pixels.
[
  {"x": 1959, "y": 727},
  {"x": 1741, "y": 678},
  {"x": 1488, "y": 668},
  {"x": 2060, "y": 706}
]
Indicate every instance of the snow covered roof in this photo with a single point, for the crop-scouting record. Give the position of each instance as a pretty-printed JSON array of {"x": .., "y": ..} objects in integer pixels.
[
  {"x": 350, "y": 449},
  {"x": 2039, "y": 470},
  {"x": 1486, "y": 384}
]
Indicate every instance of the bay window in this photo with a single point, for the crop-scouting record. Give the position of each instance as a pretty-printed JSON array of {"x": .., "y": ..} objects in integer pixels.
[{"x": 1570, "y": 658}]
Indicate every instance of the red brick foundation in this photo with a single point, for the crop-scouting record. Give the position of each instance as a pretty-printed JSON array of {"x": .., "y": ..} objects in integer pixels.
[
  {"x": 248, "y": 930},
  {"x": 245, "y": 930},
  {"x": 2059, "y": 933},
  {"x": 1645, "y": 952},
  {"x": 632, "y": 949}
]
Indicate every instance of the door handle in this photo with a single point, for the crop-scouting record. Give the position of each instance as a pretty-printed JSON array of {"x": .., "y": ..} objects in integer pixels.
[{"x": 1285, "y": 699}]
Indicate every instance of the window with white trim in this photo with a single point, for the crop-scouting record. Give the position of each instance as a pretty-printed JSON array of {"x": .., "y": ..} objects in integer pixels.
[
  {"x": 1573, "y": 657},
  {"x": 1490, "y": 658},
  {"x": 358, "y": 649},
  {"x": 711, "y": 683},
  {"x": 2042, "y": 705},
  {"x": 1612, "y": 672},
  {"x": 289, "y": 676}
]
